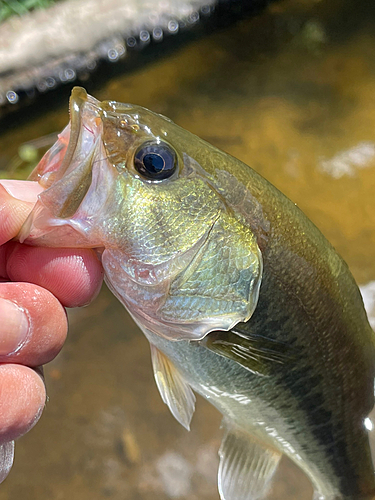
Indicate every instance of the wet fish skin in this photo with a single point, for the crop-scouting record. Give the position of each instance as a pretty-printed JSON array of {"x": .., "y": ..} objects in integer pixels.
[
  {"x": 326, "y": 380},
  {"x": 295, "y": 374}
]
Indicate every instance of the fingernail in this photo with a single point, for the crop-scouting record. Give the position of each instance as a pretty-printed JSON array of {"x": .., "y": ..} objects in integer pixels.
[{"x": 14, "y": 327}]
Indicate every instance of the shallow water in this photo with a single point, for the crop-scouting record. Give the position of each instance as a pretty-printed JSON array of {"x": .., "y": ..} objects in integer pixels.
[{"x": 291, "y": 93}]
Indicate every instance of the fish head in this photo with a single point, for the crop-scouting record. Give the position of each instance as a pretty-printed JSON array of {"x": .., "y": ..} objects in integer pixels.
[{"x": 144, "y": 193}]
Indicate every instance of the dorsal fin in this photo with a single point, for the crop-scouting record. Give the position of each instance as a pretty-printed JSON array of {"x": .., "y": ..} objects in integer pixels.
[{"x": 174, "y": 390}]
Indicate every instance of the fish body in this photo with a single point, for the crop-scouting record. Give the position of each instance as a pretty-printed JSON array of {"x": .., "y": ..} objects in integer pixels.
[{"x": 241, "y": 297}]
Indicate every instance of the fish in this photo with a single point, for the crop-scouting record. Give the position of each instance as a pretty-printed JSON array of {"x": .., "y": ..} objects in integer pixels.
[{"x": 241, "y": 297}]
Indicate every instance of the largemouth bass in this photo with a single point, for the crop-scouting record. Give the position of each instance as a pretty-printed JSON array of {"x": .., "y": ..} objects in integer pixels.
[{"x": 241, "y": 297}]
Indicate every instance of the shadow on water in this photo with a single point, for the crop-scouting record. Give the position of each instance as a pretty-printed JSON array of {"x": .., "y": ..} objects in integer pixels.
[{"x": 291, "y": 93}]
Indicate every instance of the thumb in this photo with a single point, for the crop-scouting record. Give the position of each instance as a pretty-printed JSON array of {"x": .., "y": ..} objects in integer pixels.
[
  {"x": 17, "y": 199},
  {"x": 22, "y": 190}
]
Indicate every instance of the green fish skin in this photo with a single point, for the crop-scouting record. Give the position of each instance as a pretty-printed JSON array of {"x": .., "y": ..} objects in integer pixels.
[{"x": 242, "y": 298}]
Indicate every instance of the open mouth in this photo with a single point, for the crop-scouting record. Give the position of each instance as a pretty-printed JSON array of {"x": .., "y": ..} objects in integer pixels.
[
  {"x": 77, "y": 103},
  {"x": 75, "y": 143},
  {"x": 66, "y": 174}
]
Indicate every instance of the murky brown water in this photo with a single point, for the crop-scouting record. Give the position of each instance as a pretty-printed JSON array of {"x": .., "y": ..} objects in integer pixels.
[{"x": 291, "y": 93}]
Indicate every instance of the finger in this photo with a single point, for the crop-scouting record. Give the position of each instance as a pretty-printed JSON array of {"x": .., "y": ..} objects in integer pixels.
[
  {"x": 22, "y": 400},
  {"x": 33, "y": 324},
  {"x": 4, "y": 252},
  {"x": 73, "y": 276},
  {"x": 22, "y": 190},
  {"x": 13, "y": 214}
]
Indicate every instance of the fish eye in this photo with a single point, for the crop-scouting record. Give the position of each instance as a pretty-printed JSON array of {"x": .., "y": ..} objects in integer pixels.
[{"x": 155, "y": 161}]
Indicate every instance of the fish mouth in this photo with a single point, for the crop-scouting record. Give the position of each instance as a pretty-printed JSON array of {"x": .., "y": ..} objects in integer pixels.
[
  {"x": 77, "y": 103},
  {"x": 66, "y": 173},
  {"x": 74, "y": 143},
  {"x": 85, "y": 127}
]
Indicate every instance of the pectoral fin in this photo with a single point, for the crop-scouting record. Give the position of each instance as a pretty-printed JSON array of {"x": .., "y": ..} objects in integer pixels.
[
  {"x": 257, "y": 354},
  {"x": 246, "y": 466},
  {"x": 174, "y": 390}
]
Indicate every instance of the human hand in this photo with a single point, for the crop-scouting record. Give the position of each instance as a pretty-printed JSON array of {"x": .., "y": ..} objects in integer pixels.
[{"x": 35, "y": 284}]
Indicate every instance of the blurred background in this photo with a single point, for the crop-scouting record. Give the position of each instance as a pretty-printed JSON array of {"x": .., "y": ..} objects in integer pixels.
[{"x": 290, "y": 90}]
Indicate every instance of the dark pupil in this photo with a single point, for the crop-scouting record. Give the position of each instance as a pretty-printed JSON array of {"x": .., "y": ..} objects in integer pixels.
[{"x": 155, "y": 161}]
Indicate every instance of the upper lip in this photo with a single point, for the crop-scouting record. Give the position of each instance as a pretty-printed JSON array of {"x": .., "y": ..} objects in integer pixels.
[{"x": 77, "y": 101}]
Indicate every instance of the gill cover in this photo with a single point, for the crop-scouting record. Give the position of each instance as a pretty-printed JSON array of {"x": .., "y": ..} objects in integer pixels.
[{"x": 175, "y": 253}]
